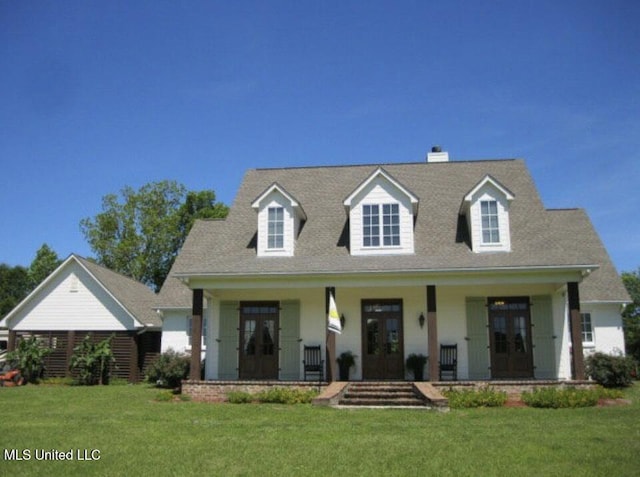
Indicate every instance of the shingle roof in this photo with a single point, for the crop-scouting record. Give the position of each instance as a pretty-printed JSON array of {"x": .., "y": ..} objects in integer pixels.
[
  {"x": 538, "y": 238},
  {"x": 603, "y": 284},
  {"x": 136, "y": 297}
]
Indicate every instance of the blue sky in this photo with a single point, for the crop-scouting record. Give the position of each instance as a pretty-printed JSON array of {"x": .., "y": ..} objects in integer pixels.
[{"x": 98, "y": 95}]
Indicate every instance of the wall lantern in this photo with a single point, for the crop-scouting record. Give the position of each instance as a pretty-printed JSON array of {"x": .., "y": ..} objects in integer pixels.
[
  {"x": 342, "y": 321},
  {"x": 421, "y": 320}
]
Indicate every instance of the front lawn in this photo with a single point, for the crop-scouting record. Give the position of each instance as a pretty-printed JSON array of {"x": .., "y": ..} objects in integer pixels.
[{"x": 137, "y": 435}]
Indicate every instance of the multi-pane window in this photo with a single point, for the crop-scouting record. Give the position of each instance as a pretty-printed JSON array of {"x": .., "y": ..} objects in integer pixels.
[
  {"x": 390, "y": 225},
  {"x": 371, "y": 225},
  {"x": 275, "y": 234},
  {"x": 375, "y": 236},
  {"x": 490, "y": 226},
  {"x": 587, "y": 328},
  {"x": 190, "y": 330}
]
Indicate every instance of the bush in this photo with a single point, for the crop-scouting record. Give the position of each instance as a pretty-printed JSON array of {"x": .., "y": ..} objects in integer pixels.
[
  {"x": 28, "y": 357},
  {"x": 169, "y": 369},
  {"x": 239, "y": 397},
  {"x": 556, "y": 398},
  {"x": 609, "y": 370},
  {"x": 274, "y": 396},
  {"x": 92, "y": 361},
  {"x": 485, "y": 397}
]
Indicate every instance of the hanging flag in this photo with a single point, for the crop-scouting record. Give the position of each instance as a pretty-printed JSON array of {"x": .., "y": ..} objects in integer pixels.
[{"x": 334, "y": 317}]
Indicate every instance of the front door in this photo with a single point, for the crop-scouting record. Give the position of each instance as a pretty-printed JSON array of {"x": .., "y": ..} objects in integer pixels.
[
  {"x": 510, "y": 337},
  {"x": 382, "y": 342},
  {"x": 259, "y": 340}
]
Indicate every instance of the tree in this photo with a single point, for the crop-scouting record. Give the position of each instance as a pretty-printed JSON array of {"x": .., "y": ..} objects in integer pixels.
[
  {"x": 45, "y": 262},
  {"x": 631, "y": 314},
  {"x": 14, "y": 286},
  {"x": 141, "y": 234}
]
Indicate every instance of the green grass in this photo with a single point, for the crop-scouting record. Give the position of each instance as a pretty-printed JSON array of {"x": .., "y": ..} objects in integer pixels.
[{"x": 138, "y": 435}]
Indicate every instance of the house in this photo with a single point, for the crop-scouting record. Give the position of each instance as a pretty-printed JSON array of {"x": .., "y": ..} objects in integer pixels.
[
  {"x": 80, "y": 298},
  {"x": 417, "y": 255}
]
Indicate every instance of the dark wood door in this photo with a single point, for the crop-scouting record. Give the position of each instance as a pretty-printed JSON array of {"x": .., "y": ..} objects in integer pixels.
[
  {"x": 510, "y": 338},
  {"x": 382, "y": 340},
  {"x": 259, "y": 340}
]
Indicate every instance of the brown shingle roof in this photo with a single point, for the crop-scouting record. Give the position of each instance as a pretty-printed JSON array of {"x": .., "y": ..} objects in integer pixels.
[
  {"x": 538, "y": 238},
  {"x": 136, "y": 297}
]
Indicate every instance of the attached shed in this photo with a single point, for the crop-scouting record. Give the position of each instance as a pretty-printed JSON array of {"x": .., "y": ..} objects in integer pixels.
[{"x": 81, "y": 298}]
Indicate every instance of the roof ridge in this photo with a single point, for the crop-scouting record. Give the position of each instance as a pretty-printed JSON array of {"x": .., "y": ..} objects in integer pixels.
[{"x": 383, "y": 164}]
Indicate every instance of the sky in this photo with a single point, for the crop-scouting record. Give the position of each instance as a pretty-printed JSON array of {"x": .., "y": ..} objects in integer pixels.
[{"x": 99, "y": 95}]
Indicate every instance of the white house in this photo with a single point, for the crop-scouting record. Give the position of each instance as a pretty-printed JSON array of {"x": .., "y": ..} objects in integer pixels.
[
  {"x": 81, "y": 298},
  {"x": 417, "y": 255}
]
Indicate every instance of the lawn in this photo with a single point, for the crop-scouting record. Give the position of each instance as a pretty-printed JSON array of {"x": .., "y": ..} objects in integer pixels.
[{"x": 137, "y": 435}]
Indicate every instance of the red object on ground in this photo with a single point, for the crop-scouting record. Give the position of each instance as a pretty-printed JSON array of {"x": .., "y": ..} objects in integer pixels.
[{"x": 11, "y": 378}]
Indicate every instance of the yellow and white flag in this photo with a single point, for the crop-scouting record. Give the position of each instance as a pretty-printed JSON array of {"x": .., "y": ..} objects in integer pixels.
[{"x": 334, "y": 317}]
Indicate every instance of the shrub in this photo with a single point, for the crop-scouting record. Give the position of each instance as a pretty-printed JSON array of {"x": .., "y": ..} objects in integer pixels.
[
  {"x": 164, "y": 396},
  {"x": 28, "y": 357},
  {"x": 239, "y": 397},
  {"x": 169, "y": 369},
  {"x": 555, "y": 398},
  {"x": 274, "y": 396},
  {"x": 92, "y": 361},
  {"x": 484, "y": 397},
  {"x": 609, "y": 370}
]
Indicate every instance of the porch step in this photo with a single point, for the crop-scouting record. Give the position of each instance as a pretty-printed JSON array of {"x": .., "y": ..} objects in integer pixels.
[{"x": 385, "y": 394}]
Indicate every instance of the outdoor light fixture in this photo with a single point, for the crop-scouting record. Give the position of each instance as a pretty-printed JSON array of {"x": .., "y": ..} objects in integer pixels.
[
  {"x": 421, "y": 320},
  {"x": 342, "y": 320}
]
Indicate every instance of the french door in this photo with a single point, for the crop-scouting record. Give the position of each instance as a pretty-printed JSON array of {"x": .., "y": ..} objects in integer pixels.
[
  {"x": 258, "y": 340},
  {"x": 382, "y": 340},
  {"x": 510, "y": 338}
]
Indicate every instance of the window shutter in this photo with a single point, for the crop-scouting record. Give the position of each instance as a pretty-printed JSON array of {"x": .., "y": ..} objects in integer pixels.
[
  {"x": 228, "y": 349},
  {"x": 290, "y": 340},
  {"x": 544, "y": 351},
  {"x": 477, "y": 339}
]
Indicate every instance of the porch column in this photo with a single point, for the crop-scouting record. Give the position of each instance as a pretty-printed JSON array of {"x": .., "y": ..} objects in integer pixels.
[
  {"x": 575, "y": 329},
  {"x": 196, "y": 334},
  {"x": 432, "y": 332},
  {"x": 11, "y": 342},
  {"x": 331, "y": 364}
]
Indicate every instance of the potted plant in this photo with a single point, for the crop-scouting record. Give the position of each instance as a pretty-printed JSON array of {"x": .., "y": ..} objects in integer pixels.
[
  {"x": 345, "y": 361},
  {"x": 415, "y": 363}
]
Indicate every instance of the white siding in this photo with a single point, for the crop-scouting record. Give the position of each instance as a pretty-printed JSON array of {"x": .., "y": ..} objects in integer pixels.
[
  {"x": 72, "y": 300},
  {"x": 608, "y": 336},
  {"x": 291, "y": 225},
  {"x": 381, "y": 191},
  {"x": 174, "y": 331},
  {"x": 489, "y": 192}
]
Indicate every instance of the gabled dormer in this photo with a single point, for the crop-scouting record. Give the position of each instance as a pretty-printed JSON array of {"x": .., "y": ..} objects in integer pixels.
[
  {"x": 381, "y": 216},
  {"x": 486, "y": 208},
  {"x": 279, "y": 218}
]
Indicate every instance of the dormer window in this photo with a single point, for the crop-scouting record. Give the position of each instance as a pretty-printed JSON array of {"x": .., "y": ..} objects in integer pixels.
[
  {"x": 490, "y": 224},
  {"x": 381, "y": 216},
  {"x": 279, "y": 221},
  {"x": 275, "y": 238},
  {"x": 486, "y": 208},
  {"x": 386, "y": 236}
]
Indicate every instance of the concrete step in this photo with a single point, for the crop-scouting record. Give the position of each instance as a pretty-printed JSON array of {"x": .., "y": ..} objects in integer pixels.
[{"x": 381, "y": 394}]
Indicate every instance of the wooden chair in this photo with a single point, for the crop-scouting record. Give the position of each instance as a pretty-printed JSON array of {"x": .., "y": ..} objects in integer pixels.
[
  {"x": 448, "y": 362},
  {"x": 313, "y": 362}
]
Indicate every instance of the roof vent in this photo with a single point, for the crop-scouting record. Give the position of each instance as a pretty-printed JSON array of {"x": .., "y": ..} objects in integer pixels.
[{"x": 436, "y": 155}]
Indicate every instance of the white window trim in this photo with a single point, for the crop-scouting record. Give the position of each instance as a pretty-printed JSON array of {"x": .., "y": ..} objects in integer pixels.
[
  {"x": 281, "y": 221},
  {"x": 205, "y": 328},
  {"x": 586, "y": 343},
  {"x": 380, "y": 227}
]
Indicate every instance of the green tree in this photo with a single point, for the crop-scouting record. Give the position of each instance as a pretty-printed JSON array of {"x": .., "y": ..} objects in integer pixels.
[
  {"x": 140, "y": 233},
  {"x": 29, "y": 357},
  {"x": 45, "y": 262},
  {"x": 14, "y": 286},
  {"x": 631, "y": 314}
]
